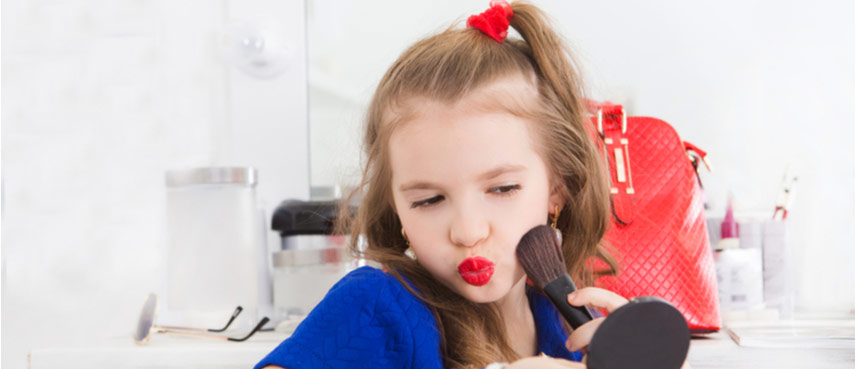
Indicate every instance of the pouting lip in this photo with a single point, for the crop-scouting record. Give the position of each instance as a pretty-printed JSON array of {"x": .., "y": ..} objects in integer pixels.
[
  {"x": 478, "y": 278},
  {"x": 474, "y": 264},
  {"x": 476, "y": 271}
]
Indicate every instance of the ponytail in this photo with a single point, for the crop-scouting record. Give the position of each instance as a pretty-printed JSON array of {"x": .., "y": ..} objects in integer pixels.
[
  {"x": 588, "y": 199},
  {"x": 550, "y": 57}
]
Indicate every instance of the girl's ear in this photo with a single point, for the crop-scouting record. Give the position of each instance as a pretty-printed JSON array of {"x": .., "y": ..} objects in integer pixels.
[
  {"x": 556, "y": 198},
  {"x": 555, "y": 203}
]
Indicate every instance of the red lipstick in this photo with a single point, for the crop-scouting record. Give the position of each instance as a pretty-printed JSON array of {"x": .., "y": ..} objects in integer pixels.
[{"x": 476, "y": 271}]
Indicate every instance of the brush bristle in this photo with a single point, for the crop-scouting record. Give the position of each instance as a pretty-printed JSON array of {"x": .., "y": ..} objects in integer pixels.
[{"x": 540, "y": 254}]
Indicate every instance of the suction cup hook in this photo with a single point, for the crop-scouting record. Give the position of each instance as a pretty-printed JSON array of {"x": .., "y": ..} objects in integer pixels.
[{"x": 253, "y": 50}]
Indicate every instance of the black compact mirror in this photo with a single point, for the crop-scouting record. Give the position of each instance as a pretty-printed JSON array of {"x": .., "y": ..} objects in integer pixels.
[{"x": 646, "y": 333}]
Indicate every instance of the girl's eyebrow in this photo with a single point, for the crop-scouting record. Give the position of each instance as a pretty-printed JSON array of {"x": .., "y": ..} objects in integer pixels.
[
  {"x": 417, "y": 186},
  {"x": 502, "y": 169},
  {"x": 490, "y": 174}
]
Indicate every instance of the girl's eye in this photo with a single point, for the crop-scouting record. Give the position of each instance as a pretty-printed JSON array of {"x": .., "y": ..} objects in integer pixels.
[
  {"x": 427, "y": 202},
  {"x": 505, "y": 190}
]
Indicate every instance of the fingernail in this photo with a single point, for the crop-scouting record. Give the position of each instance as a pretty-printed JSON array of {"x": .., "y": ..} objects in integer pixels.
[{"x": 571, "y": 296}]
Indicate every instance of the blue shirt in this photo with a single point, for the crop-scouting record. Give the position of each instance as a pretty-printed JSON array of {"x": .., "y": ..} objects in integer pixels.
[{"x": 368, "y": 319}]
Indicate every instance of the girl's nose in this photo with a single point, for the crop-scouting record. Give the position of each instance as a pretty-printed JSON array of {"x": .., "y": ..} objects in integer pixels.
[{"x": 469, "y": 229}]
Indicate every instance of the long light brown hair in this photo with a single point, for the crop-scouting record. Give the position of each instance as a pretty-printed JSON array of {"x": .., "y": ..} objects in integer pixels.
[{"x": 445, "y": 67}]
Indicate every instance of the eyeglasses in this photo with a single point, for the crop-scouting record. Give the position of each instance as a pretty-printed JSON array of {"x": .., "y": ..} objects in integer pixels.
[{"x": 146, "y": 326}]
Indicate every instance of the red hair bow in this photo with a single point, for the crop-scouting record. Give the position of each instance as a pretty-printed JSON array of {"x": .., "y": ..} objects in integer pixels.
[{"x": 494, "y": 21}]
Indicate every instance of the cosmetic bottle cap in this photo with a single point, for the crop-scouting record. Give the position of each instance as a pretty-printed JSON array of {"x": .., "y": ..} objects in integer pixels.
[{"x": 729, "y": 227}]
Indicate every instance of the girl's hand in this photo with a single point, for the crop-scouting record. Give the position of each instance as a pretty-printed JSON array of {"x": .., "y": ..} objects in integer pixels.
[
  {"x": 598, "y": 298},
  {"x": 580, "y": 337},
  {"x": 544, "y": 362}
]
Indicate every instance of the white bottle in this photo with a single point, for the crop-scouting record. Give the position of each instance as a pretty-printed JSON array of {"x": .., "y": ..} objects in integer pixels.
[{"x": 739, "y": 271}]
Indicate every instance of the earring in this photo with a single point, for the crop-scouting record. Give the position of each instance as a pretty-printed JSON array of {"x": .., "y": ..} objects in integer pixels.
[
  {"x": 554, "y": 224},
  {"x": 409, "y": 251},
  {"x": 555, "y": 214}
]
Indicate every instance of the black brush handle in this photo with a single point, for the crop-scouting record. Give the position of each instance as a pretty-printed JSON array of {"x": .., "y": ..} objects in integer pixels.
[{"x": 557, "y": 290}]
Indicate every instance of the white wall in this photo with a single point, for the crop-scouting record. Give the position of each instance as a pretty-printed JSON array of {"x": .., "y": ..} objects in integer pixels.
[
  {"x": 100, "y": 98},
  {"x": 759, "y": 84}
]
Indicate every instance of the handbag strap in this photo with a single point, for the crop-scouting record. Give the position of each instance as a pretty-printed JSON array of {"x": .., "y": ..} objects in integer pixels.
[
  {"x": 611, "y": 126},
  {"x": 697, "y": 156}
]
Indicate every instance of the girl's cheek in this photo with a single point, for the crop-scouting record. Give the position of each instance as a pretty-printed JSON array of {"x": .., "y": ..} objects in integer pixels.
[{"x": 429, "y": 224}]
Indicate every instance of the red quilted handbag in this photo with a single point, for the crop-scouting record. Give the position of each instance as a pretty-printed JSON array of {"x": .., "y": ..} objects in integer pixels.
[{"x": 658, "y": 226}]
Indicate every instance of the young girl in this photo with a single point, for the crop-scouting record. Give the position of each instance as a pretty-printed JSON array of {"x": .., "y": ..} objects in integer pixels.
[{"x": 471, "y": 140}]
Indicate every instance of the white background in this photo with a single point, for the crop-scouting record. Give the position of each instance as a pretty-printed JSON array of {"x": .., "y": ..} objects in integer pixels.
[{"x": 99, "y": 98}]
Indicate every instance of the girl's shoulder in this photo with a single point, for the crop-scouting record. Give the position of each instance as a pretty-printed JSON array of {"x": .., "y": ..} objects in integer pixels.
[
  {"x": 381, "y": 296},
  {"x": 370, "y": 284},
  {"x": 367, "y": 319},
  {"x": 365, "y": 276}
]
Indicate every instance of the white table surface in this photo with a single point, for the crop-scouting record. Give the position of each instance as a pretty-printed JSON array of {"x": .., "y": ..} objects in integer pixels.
[
  {"x": 719, "y": 351},
  {"x": 164, "y": 351}
]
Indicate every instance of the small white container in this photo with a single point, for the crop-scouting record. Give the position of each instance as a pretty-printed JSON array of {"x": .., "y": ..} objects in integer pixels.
[
  {"x": 740, "y": 278},
  {"x": 777, "y": 291},
  {"x": 216, "y": 256},
  {"x": 302, "y": 277}
]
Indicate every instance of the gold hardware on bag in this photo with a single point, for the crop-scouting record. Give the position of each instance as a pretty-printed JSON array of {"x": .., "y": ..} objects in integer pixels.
[
  {"x": 621, "y": 155},
  {"x": 707, "y": 163},
  {"x": 629, "y": 188},
  {"x": 600, "y": 121},
  {"x": 621, "y": 171},
  {"x": 622, "y": 168}
]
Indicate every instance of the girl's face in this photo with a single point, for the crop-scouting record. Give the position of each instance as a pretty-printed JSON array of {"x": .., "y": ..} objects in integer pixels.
[{"x": 467, "y": 184}]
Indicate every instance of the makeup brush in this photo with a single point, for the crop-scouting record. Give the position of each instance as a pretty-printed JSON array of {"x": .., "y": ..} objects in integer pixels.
[
  {"x": 646, "y": 333},
  {"x": 540, "y": 254}
]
